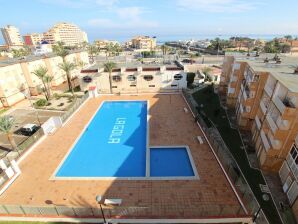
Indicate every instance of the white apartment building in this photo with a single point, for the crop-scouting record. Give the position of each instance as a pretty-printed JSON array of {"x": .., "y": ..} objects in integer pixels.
[
  {"x": 135, "y": 78},
  {"x": 12, "y": 36},
  {"x": 67, "y": 33}
]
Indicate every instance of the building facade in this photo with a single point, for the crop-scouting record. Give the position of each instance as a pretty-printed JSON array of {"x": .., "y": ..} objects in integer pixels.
[
  {"x": 144, "y": 43},
  {"x": 264, "y": 94},
  {"x": 67, "y": 33},
  {"x": 135, "y": 79},
  {"x": 11, "y": 36},
  {"x": 33, "y": 39},
  {"x": 17, "y": 76}
]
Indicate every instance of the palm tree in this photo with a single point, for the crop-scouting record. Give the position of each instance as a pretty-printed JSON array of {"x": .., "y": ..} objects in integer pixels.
[
  {"x": 60, "y": 50},
  {"x": 92, "y": 50},
  {"x": 164, "y": 49},
  {"x": 67, "y": 67},
  {"x": 109, "y": 66},
  {"x": 6, "y": 125},
  {"x": 41, "y": 73}
]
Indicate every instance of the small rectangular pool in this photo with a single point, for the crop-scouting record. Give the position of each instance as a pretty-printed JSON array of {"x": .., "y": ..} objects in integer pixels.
[{"x": 170, "y": 162}]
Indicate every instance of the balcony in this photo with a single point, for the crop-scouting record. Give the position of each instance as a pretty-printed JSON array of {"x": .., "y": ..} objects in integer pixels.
[
  {"x": 241, "y": 109},
  {"x": 258, "y": 123},
  {"x": 279, "y": 104},
  {"x": 268, "y": 90},
  {"x": 271, "y": 123},
  {"x": 296, "y": 140},
  {"x": 282, "y": 124},
  {"x": 231, "y": 90},
  {"x": 265, "y": 141},
  {"x": 234, "y": 78},
  {"x": 263, "y": 107},
  {"x": 276, "y": 144}
]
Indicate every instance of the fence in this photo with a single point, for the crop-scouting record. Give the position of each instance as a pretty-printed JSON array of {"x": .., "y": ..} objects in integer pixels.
[
  {"x": 228, "y": 162},
  {"x": 74, "y": 107}
]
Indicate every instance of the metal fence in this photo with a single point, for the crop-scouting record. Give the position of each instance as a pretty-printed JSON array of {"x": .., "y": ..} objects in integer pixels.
[
  {"x": 74, "y": 107},
  {"x": 228, "y": 162}
]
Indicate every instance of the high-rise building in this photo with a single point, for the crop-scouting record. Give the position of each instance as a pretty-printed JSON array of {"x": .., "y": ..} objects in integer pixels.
[
  {"x": 67, "y": 33},
  {"x": 12, "y": 36},
  {"x": 33, "y": 39}
]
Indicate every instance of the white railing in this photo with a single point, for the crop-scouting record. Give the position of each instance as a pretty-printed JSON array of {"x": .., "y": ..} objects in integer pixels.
[
  {"x": 265, "y": 141},
  {"x": 271, "y": 123},
  {"x": 268, "y": 90},
  {"x": 263, "y": 107},
  {"x": 276, "y": 144},
  {"x": 258, "y": 123},
  {"x": 282, "y": 124},
  {"x": 279, "y": 104}
]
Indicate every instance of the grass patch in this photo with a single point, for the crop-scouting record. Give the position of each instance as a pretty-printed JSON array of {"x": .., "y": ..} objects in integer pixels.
[
  {"x": 213, "y": 110},
  {"x": 2, "y": 111}
]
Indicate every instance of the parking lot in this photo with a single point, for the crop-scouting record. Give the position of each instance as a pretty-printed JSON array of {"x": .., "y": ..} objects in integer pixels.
[{"x": 22, "y": 117}]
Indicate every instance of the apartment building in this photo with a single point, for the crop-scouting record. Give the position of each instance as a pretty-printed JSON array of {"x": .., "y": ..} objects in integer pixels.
[
  {"x": 16, "y": 75},
  {"x": 33, "y": 39},
  {"x": 143, "y": 43},
  {"x": 135, "y": 78},
  {"x": 12, "y": 36},
  {"x": 288, "y": 174},
  {"x": 264, "y": 94},
  {"x": 68, "y": 33}
]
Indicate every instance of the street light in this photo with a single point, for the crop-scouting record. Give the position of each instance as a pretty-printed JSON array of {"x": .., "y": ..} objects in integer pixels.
[{"x": 98, "y": 199}]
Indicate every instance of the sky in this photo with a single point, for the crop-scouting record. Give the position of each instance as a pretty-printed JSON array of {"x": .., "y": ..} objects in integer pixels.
[{"x": 165, "y": 19}]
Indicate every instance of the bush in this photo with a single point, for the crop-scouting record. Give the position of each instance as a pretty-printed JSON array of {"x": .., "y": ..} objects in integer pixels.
[{"x": 41, "y": 103}]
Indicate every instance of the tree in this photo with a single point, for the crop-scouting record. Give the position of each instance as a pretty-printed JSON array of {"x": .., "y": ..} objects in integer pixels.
[
  {"x": 6, "y": 125},
  {"x": 60, "y": 50},
  {"x": 207, "y": 71},
  {"x": 68, "y": 67},
  {"x": 164, "y": 49},
  {"x": 288, "y": 38},
  {"x": 109, "y": 66},
  {"x": 92, "y": 50},
  {"x": 41, "y": 73},
  {"x": 22, "y": 52}
]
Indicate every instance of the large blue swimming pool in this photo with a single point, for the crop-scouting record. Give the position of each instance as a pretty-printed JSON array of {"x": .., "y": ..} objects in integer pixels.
[{"x": 115, "y": 145}]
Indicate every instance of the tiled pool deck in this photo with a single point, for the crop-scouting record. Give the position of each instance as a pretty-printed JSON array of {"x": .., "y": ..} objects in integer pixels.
[{"x": 210, "y": 196}]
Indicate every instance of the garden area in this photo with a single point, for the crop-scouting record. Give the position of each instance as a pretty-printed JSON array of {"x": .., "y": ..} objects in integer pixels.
[{"x": 212, "y": 112}]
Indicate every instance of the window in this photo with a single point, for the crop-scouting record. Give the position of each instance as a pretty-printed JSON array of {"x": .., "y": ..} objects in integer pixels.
[
  {"x": 132, "y": 85},
  {"x": 131, "y": 78},
  {"x": 116, "y": 78},
  {"x": 294, "y": 152},
  {"x": 178, "y": 76},
  {"x": 114, "y": 87},
  {"x": 151, "y": 85},
  {"x": 148, "y": 77},
  {"x": 174, "y": 85}
]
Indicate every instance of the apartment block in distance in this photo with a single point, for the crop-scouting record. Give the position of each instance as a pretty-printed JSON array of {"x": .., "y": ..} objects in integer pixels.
[
  {"x": 143, "y": 43},
  {"x": 12, "y": 36},
  {"x": 67, "y": 33},
  {"x": 33, "y": 39},
  {"x": 267, "y": 100}
]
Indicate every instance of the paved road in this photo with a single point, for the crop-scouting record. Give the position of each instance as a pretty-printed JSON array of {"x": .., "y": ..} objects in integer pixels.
[{"x": 22, "y": 117}]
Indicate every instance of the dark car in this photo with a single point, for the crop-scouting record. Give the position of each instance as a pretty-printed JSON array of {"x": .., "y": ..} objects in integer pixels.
[{"x": 29, "y": 129}]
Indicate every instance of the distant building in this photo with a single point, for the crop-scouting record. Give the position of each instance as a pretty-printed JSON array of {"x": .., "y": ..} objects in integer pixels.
[
  {"x": 102, "y": 44},
  {"x": 67, "y": 33},
  {"x": 143, "y": 43},
  {"x": 12, "y": 36},
  {"x": 43, "y": 48},
  {"x": 33, "y": 39}
]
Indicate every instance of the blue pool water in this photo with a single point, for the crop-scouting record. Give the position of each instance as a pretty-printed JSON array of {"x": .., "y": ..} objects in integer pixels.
[
  {"x": 169, "y": 162},
  {"x": 113, "y": 145}
]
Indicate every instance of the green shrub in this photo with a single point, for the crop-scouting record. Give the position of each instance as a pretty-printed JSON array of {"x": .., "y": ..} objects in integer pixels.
[{"x": 41, "y": 103}]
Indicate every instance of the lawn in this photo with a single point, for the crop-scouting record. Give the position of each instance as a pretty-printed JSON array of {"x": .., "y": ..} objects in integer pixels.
[{"x": 213, "y": 110}]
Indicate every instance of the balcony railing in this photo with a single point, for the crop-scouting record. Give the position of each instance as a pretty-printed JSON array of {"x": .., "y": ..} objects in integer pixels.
[
  {"x": 271, "y": 123},
  {"x": 282, "y": 124},
  {"x": 279, "y": 104},
  {"x": 296, "y": 140},
  {"x": 265, "y": 141},
  {"x": 263, "y": 107},
  {"x": 268, "y": 90},
  {"x": 276, "y": 144},
  {"x": 258, "y": 123}
]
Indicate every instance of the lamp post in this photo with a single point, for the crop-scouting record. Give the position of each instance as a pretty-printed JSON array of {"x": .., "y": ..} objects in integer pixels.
[{"x": 98, "y": 199}]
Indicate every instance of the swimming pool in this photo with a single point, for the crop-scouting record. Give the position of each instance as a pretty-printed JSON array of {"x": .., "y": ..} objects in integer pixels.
[{"x": 114, "y": 145}]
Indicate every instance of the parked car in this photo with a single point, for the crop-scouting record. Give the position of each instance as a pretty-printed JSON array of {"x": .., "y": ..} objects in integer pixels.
[{"x": 29, "y": 129}]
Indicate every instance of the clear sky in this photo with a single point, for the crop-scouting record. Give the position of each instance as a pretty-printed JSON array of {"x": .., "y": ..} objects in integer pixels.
[{"x": 166, "y": 19}]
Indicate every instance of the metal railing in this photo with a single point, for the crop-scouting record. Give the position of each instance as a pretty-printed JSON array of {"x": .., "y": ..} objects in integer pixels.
[
  {"x": 74, "y": 107},
  {"x": 228, "y": 162}
]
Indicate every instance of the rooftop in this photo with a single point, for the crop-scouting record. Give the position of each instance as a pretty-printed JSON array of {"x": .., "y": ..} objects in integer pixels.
[{"x": 284, "y": 72}]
